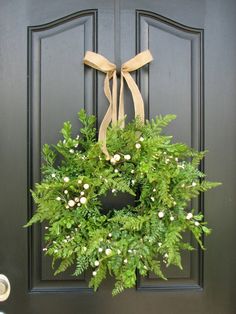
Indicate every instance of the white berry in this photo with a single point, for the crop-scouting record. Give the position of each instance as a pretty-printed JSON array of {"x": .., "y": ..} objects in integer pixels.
[
  {"x": 189, "y": 216},
  {"x": 53, "y": 175},
  {"x": 127, "y": 157},
  {"x": 94, "y": 273},
  {"x": 58, "y": 198},
  {"x": 197, "y": 223},
  {"x": 113, "y": 161},
  {"x": 138, "y": 145},
  {"x": 172, "y": 218},
  {"x": 132, "y": 171},
  {"x": 71, "y": 203},
  {"x": 86, "y": 186},
  {"x": 79, "y": 181},
  {"x": 141, "y": 139},
  {"x": 161, "y": 214},
  {"x": 66, "y": 192},
  {"x": 116, "y": 170},
  {"x": 110, "y": 235},
  {"x": 100, "y": 250},
  {"x": 82, "y": 193},
  {"x": 83, "y": 200},
  {"x": 71, "y": 151},
  {"x": 116, "y": 157},
  {"x": 76, "y": 199},
  {"x": 194, "y": 184},
  {"x": 66, "y": 179},
  {"x": 96, "y": 263},
  {"x": 108, "y": 251}
]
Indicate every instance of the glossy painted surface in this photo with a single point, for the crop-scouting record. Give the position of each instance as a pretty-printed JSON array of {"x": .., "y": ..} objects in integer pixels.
[{"x": 43, "y": 83}]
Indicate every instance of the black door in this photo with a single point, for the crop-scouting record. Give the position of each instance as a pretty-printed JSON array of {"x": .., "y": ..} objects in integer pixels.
[{"x": 43, "y": 83}]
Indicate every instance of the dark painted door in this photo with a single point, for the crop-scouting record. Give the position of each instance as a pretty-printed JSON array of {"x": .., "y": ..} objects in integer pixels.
[{"x": 193, "y": 75}]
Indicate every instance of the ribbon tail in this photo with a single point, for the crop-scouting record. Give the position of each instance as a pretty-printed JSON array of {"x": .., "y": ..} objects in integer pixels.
[
  {"x": 114, "y": 100},
  {"x": 121, "y": 117},
  {"x": 136, "y": 95}
]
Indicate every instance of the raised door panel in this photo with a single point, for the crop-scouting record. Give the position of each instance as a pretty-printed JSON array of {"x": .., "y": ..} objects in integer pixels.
[
  {"x": 59, "y": 86},
  {"x": 173, "y": 84}
]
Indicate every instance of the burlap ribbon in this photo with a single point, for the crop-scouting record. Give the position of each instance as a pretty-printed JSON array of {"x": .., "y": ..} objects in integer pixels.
[{"x": 100, "y": 63}]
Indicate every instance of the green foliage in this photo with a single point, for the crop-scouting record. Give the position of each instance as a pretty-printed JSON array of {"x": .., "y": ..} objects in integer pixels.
[{"x": 162, "y": 175}]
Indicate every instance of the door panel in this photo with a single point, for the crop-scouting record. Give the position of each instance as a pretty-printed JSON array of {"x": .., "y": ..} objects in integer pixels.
[{"x": 192, "y": 76}]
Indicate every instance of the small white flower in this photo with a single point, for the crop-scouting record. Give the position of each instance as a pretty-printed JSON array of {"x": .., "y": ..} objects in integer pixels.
[
  {"x": 161, "y": 214},
  {"x": 189, "y": 216},
  {"x": 172, "y": 218},
  {"x": 113, "y": 190},
  {"x": 71, "y": 151},
  {"x": 116, "y": 157},
  {"x": 100, "y": 250},
  {"x": 110, "y": 235},
  {"x": 86, "y": 186},
  {"x": 182, "y": 185},
  {"x": 130, "y": 251},
  {"x": 167, "y": 160},
  {"x": 94, "y": 273},
  {"x": 196, "y": 223},
  {"x": 132, "y": 171},
  {"x": 112, "y": 161},
  {"x": 138, "y": 145},
  {"x": 64, "y": 141},
  {"x": 78, "y": 204},
  {"x": 141, "y": 139},
  {"x": 118, "y": 251},
  {"x": 166, "y": 255},
  {"x": 76, "y": 145},
  {"x": 67, "y": 206},
  {"x": 159, "y": 244},
  {"x": 55, "y": 251},
  {"x": 46, "y": 228},
  {"x": 82, "y": 193},
  {"x": 68, "y": 237},
  {"x": 154, "y": 190},
  {"x": 145, "y": 267},
  {"x": 125, "y": 261},
  {"x": 79, "y": 181},
  {"x": 133, "y": 182},
  {"x": 58, "y": 198},
  {"x": 53, "y": 175},
  {"x": 108, "y": 251},
  {"x": 77, "y": 137},
  {"x": 76, "y": 199},
  {"x": 127, "y": 157},
  {"x": 65, "y": 240},
  {"x": 152, "y": 198},
  {"x": 164, "y": 153},
  {"x": 45, "y": 249},
  {"x": 194, "y": 184},
  {"x": 65, "y": 192},
  {"x": 174, "y": 203},
  {"x": 176, "y": 159},
  {"x": 71, "y": 203},
  {"x": 83, "y": 200},
  {"x": 96, "y": 263},
  {"x": 84, "y": 248},
  {"x": 66, "y": 179},
  {"x": 116, "y": 170}
]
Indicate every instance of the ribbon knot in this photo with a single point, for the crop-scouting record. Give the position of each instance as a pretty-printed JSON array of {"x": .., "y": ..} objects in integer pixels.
[{"x": 102, "y": 64}]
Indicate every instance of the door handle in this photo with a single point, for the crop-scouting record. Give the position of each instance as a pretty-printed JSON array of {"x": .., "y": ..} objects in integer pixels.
[{"x": 5, "y": 288}]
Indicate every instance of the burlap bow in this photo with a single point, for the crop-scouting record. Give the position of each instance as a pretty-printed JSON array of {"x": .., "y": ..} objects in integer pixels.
[{"x": 100, "y": 63}]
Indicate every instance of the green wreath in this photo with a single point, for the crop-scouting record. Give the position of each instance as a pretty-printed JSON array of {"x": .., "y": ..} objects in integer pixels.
[{"x": 162, "y": 177}]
